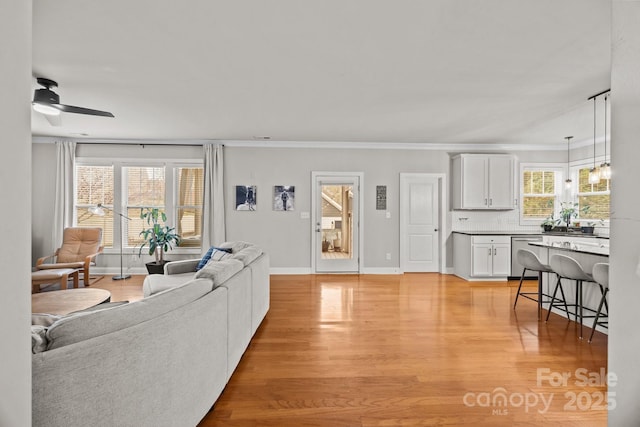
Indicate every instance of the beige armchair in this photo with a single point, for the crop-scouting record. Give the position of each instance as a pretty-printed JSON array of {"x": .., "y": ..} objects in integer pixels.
[{"x": 80, "y": 246}]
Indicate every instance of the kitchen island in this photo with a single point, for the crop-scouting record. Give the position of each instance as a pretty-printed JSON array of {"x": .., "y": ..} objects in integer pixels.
[{"x": 587, "y": 252}]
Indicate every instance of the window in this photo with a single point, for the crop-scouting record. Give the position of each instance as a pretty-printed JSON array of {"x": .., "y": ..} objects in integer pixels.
[
  {"x": 595, "y": 196},
  {"x": 177, "y": 189},
  {"x": 94, "y": 185},
  {"x": 540, "y": 191},
  {"x": 189, "y": 205},
  {"x": 145, "y": 188}
]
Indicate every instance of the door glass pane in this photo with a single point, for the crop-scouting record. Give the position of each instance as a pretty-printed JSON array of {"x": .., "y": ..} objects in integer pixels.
[{"x": 336, "y": 221}]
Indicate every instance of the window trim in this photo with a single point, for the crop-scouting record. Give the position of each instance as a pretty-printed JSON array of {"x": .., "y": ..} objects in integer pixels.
[
  {"x": 560, "y": 169},
  {"x": 119, "y": 203},
  {"x": 575, "y": 170}
]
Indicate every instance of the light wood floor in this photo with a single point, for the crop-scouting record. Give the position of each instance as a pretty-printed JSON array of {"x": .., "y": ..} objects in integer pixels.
[{"x": 406, "y": 350}]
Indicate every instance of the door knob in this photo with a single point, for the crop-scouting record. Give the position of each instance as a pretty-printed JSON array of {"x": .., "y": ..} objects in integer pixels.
[{"x": 435, "y": 229}]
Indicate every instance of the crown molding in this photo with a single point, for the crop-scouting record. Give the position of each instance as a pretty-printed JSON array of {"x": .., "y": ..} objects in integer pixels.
[{"x": 327, "y": 144}]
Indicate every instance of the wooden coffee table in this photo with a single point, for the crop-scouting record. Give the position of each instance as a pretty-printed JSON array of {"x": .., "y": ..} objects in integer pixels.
[{"x": 66, "y": 301}]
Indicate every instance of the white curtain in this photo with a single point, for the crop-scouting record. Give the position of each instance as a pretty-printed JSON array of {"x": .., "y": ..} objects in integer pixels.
[
  {"x": 63, "y": 205},
  {"x": 213, "y": 218}
]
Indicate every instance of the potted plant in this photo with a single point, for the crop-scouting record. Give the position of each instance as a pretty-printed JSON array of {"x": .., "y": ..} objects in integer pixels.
[
  {"x": 570, "y": 210},
  {"x": 158, "y": 237},
  {"x": 549, "y": 223},
  {"x": 590, "y": 227}
]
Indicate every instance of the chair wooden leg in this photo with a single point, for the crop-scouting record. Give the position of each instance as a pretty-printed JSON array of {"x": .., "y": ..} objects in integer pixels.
[
  {"x": 63, "y": 281},
  {"x": 87, "y": 279},
  {"x": 76, "y": 279}
]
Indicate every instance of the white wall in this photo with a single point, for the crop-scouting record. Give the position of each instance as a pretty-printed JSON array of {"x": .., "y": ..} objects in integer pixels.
[
  {"x": 624, "y": 343},
  {"x": 285, "y": 235},
  {"x": 15, "y": 193}
]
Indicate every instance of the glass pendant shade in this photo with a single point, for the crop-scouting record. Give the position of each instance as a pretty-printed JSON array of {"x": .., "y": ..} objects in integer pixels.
[
  {"x": 594, "y": 176},
  {"x": 567, "y": 183},
  {"x": 605, "y": 171}
]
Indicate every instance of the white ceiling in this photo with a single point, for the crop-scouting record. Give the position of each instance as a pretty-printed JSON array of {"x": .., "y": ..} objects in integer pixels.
[{"x": 409, "y": 71}]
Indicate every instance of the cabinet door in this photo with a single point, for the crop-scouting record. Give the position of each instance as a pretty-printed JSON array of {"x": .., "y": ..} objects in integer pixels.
[
  {"x": 474, "y": 182},
  {"x": 481, "y": 259},
  {"x": 501, "y": 259},
  {"x": 500, "y": 179}
]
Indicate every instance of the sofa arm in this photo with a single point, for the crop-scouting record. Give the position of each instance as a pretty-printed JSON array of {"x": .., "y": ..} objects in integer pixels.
[{"x": 182, "y": 266}]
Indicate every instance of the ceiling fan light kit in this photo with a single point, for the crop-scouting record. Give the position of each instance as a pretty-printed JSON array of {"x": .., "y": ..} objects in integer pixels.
[
  {"x": 46, "y": 109},
  {"x": 47, "y": 102}
]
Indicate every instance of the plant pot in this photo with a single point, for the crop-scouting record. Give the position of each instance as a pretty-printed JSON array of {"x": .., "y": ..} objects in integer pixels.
[
  {"x": 325, "y": 245},
  {"x": 559, "y": 229},
  {"x": 547, "y": 227},
  {"x": 587, "y": 229},
  {"x": 156, "y": 267}
]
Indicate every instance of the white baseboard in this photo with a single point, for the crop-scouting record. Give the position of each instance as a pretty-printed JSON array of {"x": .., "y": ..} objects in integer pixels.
[
  {"x": 290, "y": 270},
  {"x": 116, "y": 270},
  {"x": 381, "y": 270}
]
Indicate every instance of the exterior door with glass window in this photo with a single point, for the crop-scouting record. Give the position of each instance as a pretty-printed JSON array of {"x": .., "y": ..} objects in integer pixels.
[{"x": 335, "y": 226}]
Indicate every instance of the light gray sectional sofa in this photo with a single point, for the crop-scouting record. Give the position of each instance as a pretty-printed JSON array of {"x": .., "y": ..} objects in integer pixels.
[{"x": 160, "y": 361}]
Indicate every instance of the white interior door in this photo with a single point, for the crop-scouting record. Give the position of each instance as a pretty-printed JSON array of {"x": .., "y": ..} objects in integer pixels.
[
  {"x": 336, "y": 213},
  {"x": 419, "y": 223}
]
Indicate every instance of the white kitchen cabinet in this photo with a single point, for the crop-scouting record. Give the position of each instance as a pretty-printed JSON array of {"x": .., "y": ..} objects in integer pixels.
[
  {"x": 483, "y": 181},
  {"x": 481, "y": 257},
  {"x": 491, "y": 256}
]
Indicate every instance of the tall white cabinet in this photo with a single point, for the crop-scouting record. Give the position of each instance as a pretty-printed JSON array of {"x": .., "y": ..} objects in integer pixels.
[{"x": 483, "y": 181}]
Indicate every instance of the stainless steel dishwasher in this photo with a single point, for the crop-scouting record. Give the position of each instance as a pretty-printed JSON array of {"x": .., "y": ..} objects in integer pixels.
[{"x": 522, "y": 242}]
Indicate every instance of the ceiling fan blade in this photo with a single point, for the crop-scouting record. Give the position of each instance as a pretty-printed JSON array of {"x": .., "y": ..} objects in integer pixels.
[
  {"x": 81, "y": 110},
  {"x": 53, "y": 120}
]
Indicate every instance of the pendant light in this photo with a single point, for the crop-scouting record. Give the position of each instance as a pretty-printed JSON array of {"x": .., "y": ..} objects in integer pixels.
[
  {"x": 594, "y": 175},
  {"x": 568, "y": 181},
  {"x": 605, "y": 168}
]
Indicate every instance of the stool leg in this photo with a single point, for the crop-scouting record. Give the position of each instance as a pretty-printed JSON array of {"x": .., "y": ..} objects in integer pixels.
[
  {"x": 539, "y": 294},
  {"x": 519, "y": 287},
  {"x": 553, "y": 298},
  {"x": 602, "y": 291},
  {"x": 564, "y": 299},
  {"x": 63, "y": 281},
  {"x": 76, "y": 278},
  {"x": 579, "y": 288},
  {"x": 595, "y": 321}
]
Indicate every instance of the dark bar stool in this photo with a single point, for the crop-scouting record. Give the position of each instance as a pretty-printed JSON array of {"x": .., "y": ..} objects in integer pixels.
[
  {"x": 601, "y": 276},
  {"x": 568, "y": 268},
  {"x": 531, "y": 262}
]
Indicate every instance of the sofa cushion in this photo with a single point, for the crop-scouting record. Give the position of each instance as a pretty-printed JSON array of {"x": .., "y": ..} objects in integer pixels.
[
  {"x": 248, "y": 254},
  {"x": 220, "y": 271},
  {"x": 38, "y": 338},
  {"x": 44, "y": 319},
  {"x": 236, "y": 246},
  {"x": 155, "y": 283},
  {"x": 210, "y": 253},
  {"x": 83, "y": 326}
]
